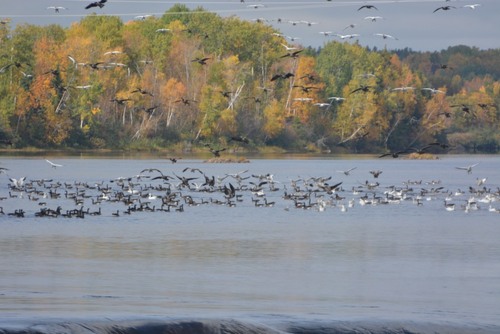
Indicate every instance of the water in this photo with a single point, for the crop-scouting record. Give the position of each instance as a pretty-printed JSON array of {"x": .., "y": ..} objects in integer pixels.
[{"x": 395, "y": 263}]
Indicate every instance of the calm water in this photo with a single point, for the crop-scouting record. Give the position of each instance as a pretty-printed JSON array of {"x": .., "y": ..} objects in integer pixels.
[{"x": 395, "y": 261}]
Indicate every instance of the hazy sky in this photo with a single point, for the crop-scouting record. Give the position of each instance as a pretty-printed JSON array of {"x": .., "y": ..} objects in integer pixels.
[{"x": 413, "y": 22}]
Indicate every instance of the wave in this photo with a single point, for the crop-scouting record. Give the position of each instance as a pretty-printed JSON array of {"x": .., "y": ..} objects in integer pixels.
[{"x": 211, "y": 326}]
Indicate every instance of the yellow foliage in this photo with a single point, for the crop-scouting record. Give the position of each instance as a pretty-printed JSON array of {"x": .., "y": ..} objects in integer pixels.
[{"x": 274, "y": 114}]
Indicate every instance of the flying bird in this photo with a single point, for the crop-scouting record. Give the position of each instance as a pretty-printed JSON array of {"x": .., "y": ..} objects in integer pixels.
[
  {"x": 288, "y": 48},
  {"x": 53, "y": 165},
  {"x": 215, "y": 152},
  {"x": 347, "y": 172},
  {"x": 472, "y": 6},
  {"x": 201, "y": 61},
  {"x": 294, "y": 54},
  {"x": 385, "y": 36},
  {"x": 374, "y": 18},
  {"x": 444, "y": 8},
  {"x": 350, "y": 36},
  {"x": 142, "y": 91},
  {"x": 56, "y": 8},
  {"x": 99, "y": 4},
  {"x": 433, "y": 90},
  {"x": 305, "y": 89},
  {"x": 368, "y": 7},
  {"x": 256, "y": 6},
  {"x": 363, "y": 88},
  {"x": 184, "y": 101},
  {"x": 468, "y": 168},
  {"x": 282, "y": 76}
]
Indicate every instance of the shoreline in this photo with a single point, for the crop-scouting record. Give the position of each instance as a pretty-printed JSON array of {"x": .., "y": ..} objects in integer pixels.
[{"x": 235, "y": 326}]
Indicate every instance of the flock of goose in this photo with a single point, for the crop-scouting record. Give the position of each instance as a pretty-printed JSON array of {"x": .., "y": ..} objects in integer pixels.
[{"x": 152, "y": 190}]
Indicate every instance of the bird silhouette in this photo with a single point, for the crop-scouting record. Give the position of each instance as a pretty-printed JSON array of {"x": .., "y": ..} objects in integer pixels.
[
  {"x": 362, "y": 88},
  {"x": 142, "y": 91},
  {"x": 184, "y": 101},
  {"x": 376, "y": 173},
  {"x": 119, "y": 101},
  {"x": 201, "y": 61},
  {"x": 367, "y": 7},
  {"x": 240, "y": 139},
  {"x": 395, "y": 154},
  {"x": 293, "y": 54},
  {"x": 215, "y": 152},
  {"x": 99, "y": 4},
  {"x": 444, "y": 8},
  {"x": 305, "y": 89},
  {"x": 282, "y": 76}
]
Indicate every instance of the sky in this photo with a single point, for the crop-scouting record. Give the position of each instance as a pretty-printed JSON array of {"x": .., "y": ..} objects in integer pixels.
[{"x": 412, "y": 23}]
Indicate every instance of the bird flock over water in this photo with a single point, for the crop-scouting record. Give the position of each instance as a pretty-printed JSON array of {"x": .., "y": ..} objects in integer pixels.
[{"x": 153, "y": 190}]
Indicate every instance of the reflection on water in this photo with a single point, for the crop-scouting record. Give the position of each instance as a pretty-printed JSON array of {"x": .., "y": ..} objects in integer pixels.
[{"x": 391, "y": 261}]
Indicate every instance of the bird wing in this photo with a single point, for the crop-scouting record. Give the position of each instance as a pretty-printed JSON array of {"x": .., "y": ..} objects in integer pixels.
[{"x": 53, "y": 164}]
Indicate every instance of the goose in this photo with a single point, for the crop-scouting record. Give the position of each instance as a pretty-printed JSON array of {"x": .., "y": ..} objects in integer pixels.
[
  {"x": 403, "y": 89},
  {"x": 119, "y": 101},
  {"x": 291, "y": 38},
  {"x": 374, "y": 18},
  {"x": 184, "y": 101},
  {"x": 289, "y": 48},
  {"x": 472, "y": 6},
  {"x": 201, "y": 61},
  {"x": 305, "y": 89},
  {"x": 385, "y": 36},
  {"x": 282, "y": 76},
  {"x": 347, "y": 172},
  {"x": 215, "y": 152},
  {"x": 57, "y": 8},
  {"x": 238, "y": 138},
  {"x": 468, "y": 168},
  {"x": 350, "y": 36},
  {"x": 142, "y": 91},
  {"x": 433, "y": 90},
  {"x": 362, "y": 88},
  {"x": 444, "y": 8},
  {"x": 310, "y": 24},
  {"x": 393, "y": 154},
  {"x": 367, "y": 7},
  {"x": 255, "y": 6},
  {"x": 17, "y": 183},
  {"x": 142, "y": 17},
  {"x": 113, "y": 53},
  {"x": 336, "y": 98},
  {"x": 481, "y": 181},
  {"x": 349, "y": 26},
  {"x": 53, "y": 165},
  {"x": 99, "y": 4},
  {"x": 294, "y": 54},
  {"x": 323, "y": 104}
]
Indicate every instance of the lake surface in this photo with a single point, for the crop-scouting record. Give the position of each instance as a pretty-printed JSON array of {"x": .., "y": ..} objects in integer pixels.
[{"x": 395, "y": 255}]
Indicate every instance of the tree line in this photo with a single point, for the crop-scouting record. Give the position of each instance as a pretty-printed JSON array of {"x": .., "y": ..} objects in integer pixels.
[{"x": 192, "y": 78}]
